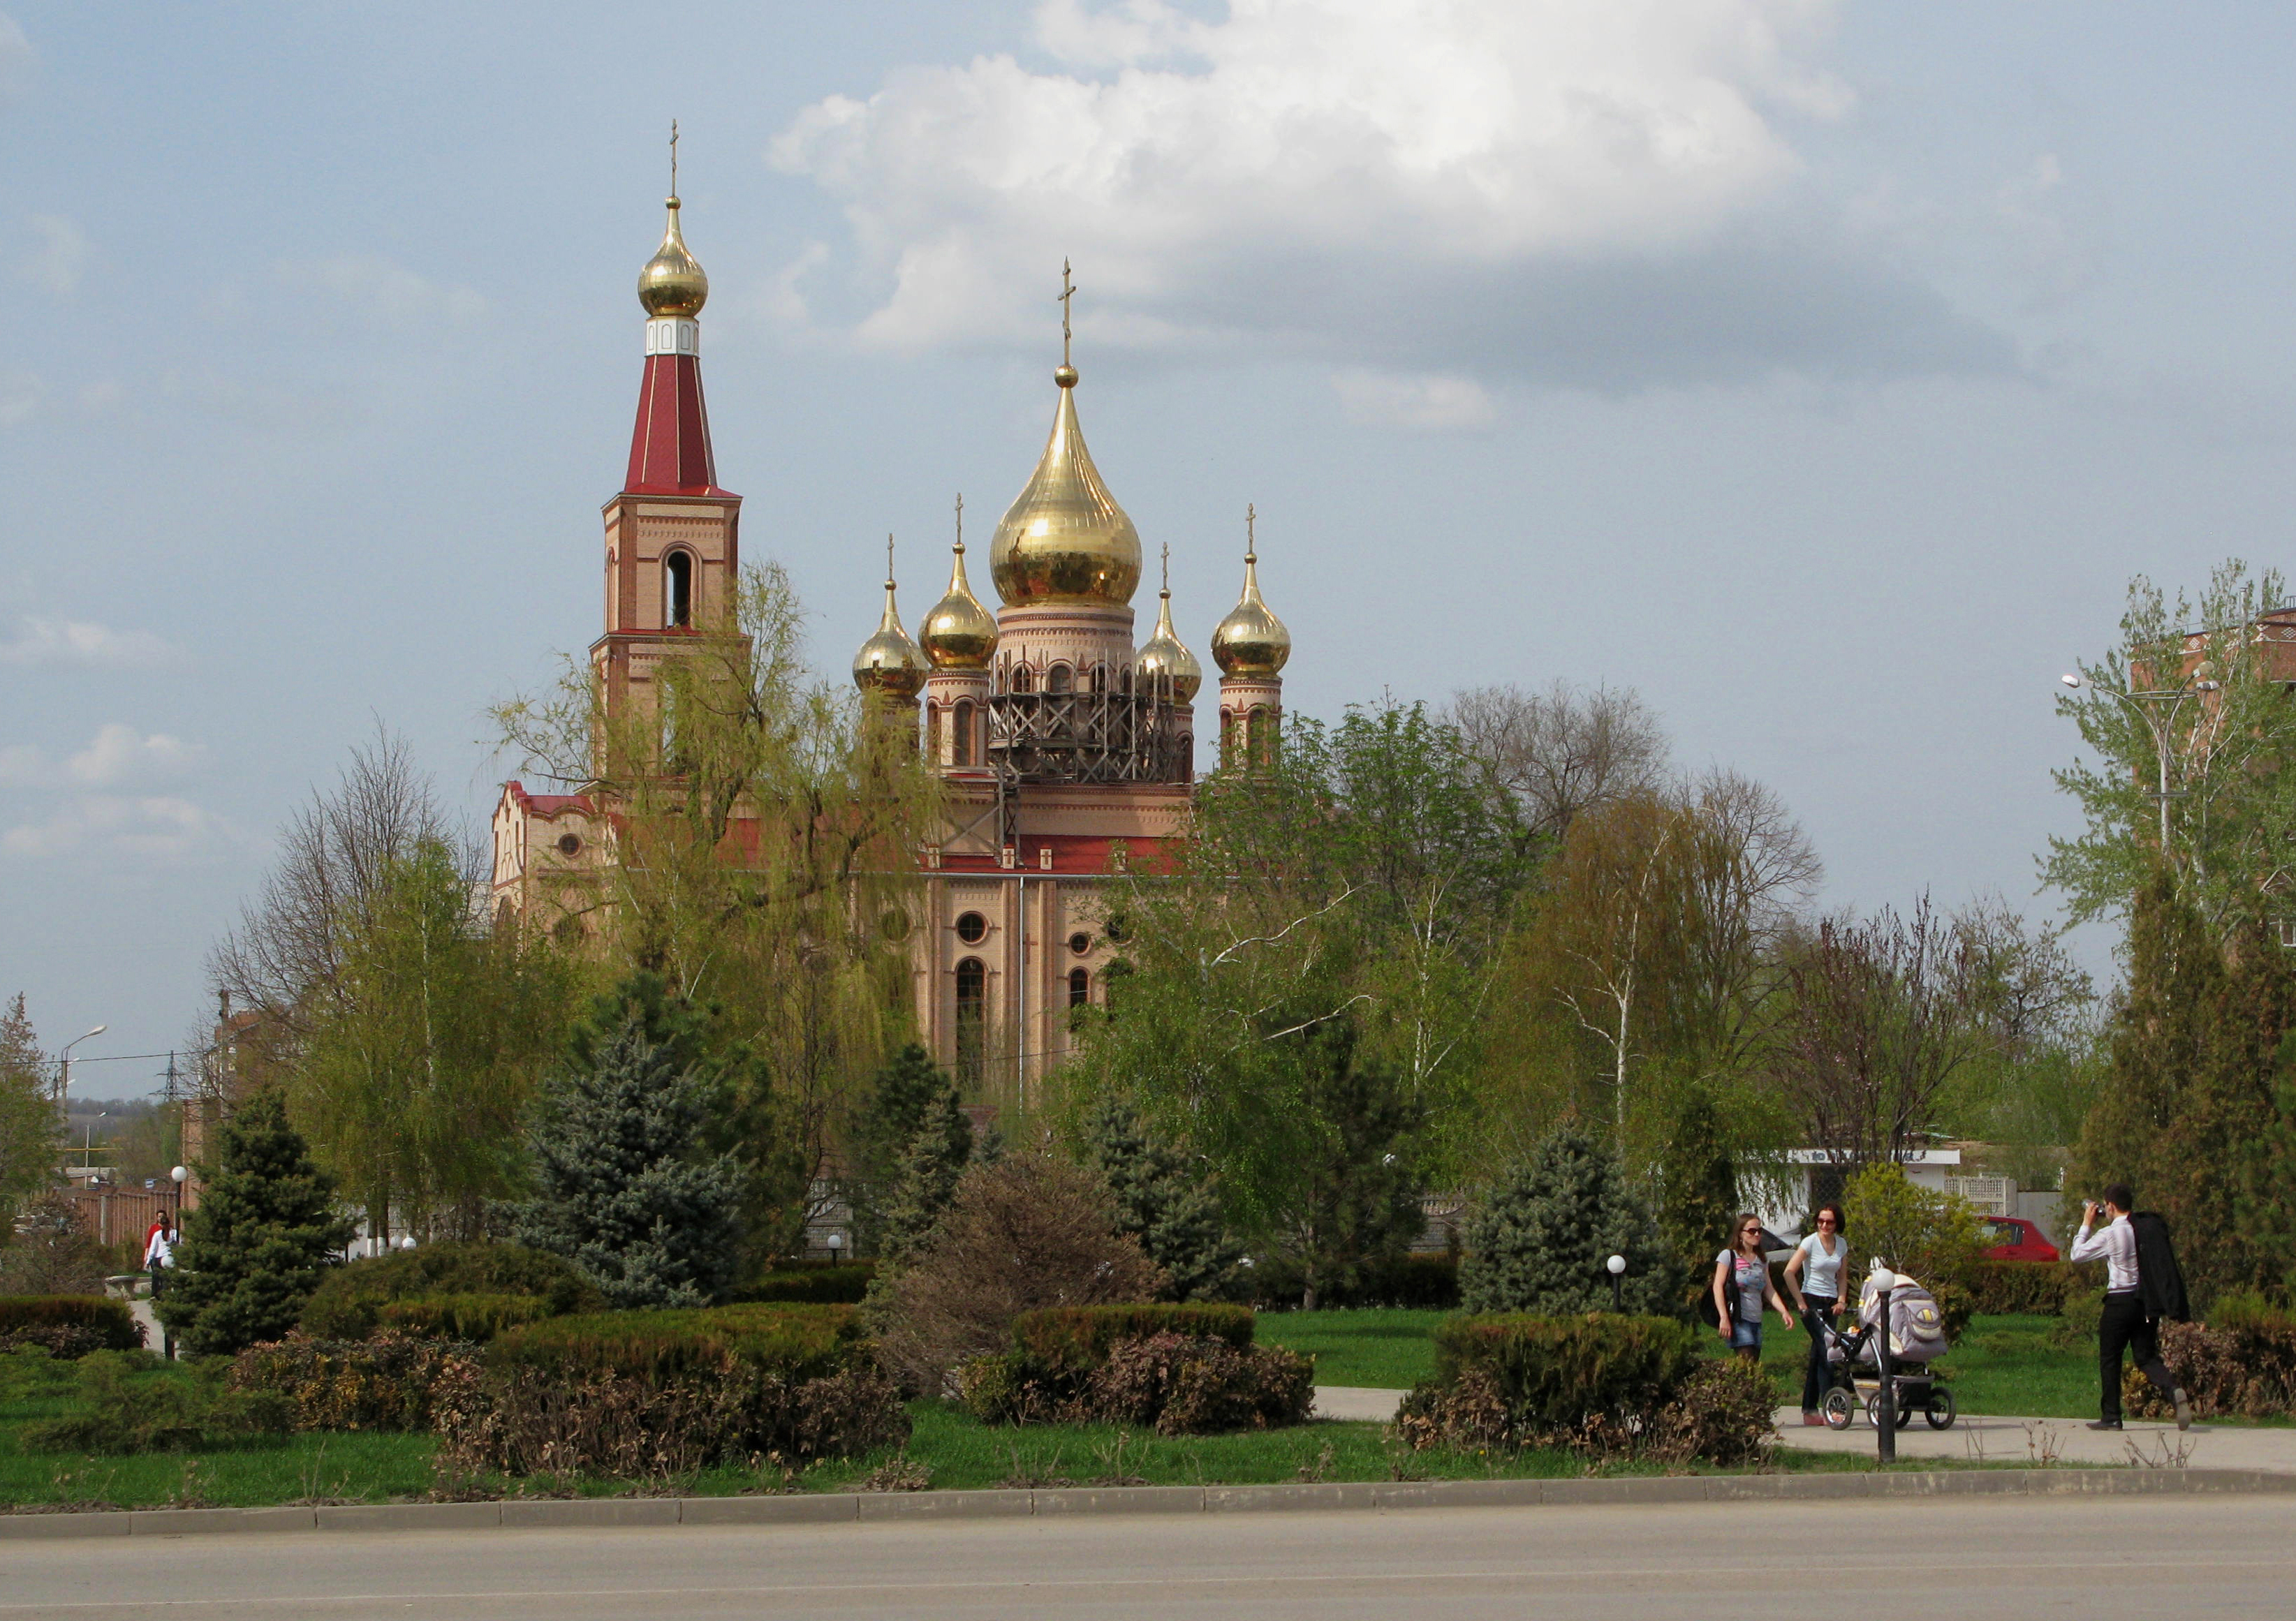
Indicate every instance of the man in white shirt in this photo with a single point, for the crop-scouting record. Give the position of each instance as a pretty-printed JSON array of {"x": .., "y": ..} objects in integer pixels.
[{"x": 2124, "y": 1324}]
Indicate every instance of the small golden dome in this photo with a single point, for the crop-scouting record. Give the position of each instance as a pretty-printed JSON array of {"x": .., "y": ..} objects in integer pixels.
[
  {"x": 959, "y": 634},
  {"x": 1251, "y": 641},
  {"x": 672, "y": 282},
  {"x": 1163, "y": 655},
  {"x": 888, "y": 663}
]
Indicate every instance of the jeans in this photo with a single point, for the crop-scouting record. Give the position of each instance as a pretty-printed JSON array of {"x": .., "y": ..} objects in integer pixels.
[
  {"x": 2123, "y": 1325},
  {"x": 1815, "y": 1375}
]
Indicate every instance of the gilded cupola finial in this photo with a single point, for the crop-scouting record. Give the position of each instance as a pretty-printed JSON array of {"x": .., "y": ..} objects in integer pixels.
[
  {"x": 1163, "y": 656},
  {"x": 672, "y": 282},
  {"x": 959, "y": 634},
  {"x": 1251, "y": 641},
  {"x": 1064, "y": 539},
  {"x": 888, "y": 662}
]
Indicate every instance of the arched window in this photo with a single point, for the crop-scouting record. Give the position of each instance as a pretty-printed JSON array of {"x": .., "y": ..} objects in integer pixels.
[
  {"x": 1079, "y": 988},
  {"x": 936, "y": 736},
  {"x": 1060, "y": 678},
  {"x": 678, "y": 590},
  {"x": 963, "y": 723},
  {"x": 971, "y": 1020},
  {"x": 1100, "y": 678},
  {"x": 1023, "y": 678}
]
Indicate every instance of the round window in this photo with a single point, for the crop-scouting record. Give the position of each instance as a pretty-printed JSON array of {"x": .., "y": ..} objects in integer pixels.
[
  {"x": 1080, "y": 942},
  {"x": 569, "y": 844},
  {"x": 972, "y": 929},
  {"x": 894, "y": 925}
]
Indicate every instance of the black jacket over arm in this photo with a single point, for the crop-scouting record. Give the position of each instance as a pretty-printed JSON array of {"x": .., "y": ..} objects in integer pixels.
[{"x": 2160, "y": 1285}]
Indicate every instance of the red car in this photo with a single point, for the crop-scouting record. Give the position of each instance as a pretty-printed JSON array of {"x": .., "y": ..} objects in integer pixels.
[{"x": 2015, "y": 1239}]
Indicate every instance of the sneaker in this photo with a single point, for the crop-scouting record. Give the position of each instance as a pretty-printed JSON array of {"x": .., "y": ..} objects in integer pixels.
[
  {"x": 2183, "y": 1408},
  {"x": 2104, "y": 1424},
  {"x": 1812, "y": 1418}
]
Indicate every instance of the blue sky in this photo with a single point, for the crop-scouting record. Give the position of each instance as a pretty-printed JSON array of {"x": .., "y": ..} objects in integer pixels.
[{"x": 1821, "y": 370}]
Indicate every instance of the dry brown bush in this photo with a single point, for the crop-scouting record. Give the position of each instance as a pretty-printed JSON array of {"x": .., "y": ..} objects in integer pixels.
[{"x": 1024, "y": 1233}]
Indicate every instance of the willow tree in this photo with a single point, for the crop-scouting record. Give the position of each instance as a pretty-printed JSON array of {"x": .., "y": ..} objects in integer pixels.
[{"x": 761, "y": 846}]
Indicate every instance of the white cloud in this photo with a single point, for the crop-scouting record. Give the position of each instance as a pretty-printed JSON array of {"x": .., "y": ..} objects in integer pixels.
[
  {"x": 80, "y": 641},
  {"x": 54, "y": 265},
  {"x": 1411, "y": 184},
  {"x": 393, "y": 295},
  {"x": 120, "y": 754},
  {"x": 1429, "y": 403},
  {"x": 15, "y": 59},
  {"x": 151, "y": 827}
]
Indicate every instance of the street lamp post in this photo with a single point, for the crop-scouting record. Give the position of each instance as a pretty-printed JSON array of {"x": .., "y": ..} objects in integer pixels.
[
  {"x": 836, "y": 1243},
  {"x": 63, "y": 1067},
  {"x": 1885, "y": 1401},
  {"x": 1616, "y": 1267},
  {"x": 2158, "y": 710}
]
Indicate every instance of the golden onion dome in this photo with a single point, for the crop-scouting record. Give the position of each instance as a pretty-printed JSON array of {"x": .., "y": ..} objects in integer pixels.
[
  {"x": 1065, "y": 539},
  {"x": 672, "y": 282},
  {"x": 1251, "y": 641},
  {"x": 888, "y": 662},
  {"x": 959, "y": 634},
  {"x": 1163, "y": 655}
]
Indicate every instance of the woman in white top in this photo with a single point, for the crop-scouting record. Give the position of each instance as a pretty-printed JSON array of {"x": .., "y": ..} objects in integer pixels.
[{"x": 1819, "y": 1276}]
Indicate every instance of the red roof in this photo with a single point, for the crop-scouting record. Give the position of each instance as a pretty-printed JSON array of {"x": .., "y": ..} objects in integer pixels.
[
  {"x": 669, "y": 447},
  {"x": 546, "y": 805}
]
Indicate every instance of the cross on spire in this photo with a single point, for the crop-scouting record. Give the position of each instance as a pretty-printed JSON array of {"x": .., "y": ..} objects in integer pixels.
[
  {"x": 1067, "y": 292},
  {"x": 889, "y": 562},
  {"x": 673, "y": 160},
  {"x": 960, "y": 521},
  {"x": 1250, "y": 544},
  {"x": 1168, "y": 568}
]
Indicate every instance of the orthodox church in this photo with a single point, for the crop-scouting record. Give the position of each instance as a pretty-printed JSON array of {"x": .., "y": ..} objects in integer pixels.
[{"x": 1066, "y": 749}]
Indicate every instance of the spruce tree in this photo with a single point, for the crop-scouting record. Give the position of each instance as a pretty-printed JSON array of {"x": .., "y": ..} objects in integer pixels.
[
  {"x": 265, "y": 1228},
  {"x": 929, "y": 1172},
  {"x": 1541, "y": 1240},
  {"x": 1163, "y": 1201},
  {"x": 625, "y": 1187},
  {"x": 904, "y": 1088}
]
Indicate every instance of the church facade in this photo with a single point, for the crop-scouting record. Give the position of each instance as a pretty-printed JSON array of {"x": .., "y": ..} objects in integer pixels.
[{"x": 1066, "y": 749}]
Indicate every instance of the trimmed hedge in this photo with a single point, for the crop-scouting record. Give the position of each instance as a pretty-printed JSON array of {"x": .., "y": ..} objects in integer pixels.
[
  {"x": 348, "y": 1302},
  {"x": 68, "y": 1325},
  {"x": 1077, "y": 1339},
  {"x": 842, "y": 1285},
  {"x": 474, "y": 1319},
  {"x": 389, "y": 1381},
  {"x": 126, "y": 1404},
  {"x": 2000, "y": 1289},
  {"x": 2242, "y": 1361},
  {"x": 655, "y": 1394}
]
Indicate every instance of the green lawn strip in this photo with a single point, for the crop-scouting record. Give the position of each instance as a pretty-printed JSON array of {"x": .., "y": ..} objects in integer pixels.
[{"x": 1383, "y": 1349}]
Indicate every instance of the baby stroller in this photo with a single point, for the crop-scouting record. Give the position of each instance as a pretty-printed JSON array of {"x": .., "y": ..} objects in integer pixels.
[{"x": 1916, "y": 1331}]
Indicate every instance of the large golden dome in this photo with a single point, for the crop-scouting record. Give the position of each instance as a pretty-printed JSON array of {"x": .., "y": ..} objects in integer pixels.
[
  {"x": 888, "y": 662},
  {"x": 959, "y": 634},
  {"x": 1065, "y": 539},
  {"x": 672, "y": 282},
  {"x": 1163, "y": 655},
  {"x": 1251, "y": 641}
]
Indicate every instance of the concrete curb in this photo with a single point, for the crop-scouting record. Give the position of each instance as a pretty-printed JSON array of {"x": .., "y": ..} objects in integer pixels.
[{"x": 847, "y": 1508}]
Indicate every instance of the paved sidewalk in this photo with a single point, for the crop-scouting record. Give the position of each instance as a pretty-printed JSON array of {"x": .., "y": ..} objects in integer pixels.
[
  {"x": 2011, "y": 1440},
  {"x": 1356, "y": 1402}
]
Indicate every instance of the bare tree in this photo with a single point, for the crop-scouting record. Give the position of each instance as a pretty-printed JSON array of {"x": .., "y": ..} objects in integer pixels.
[
  {"x": 335, "y": 855},
  {"x": 1563, "y": 752},
  {"x": 1885, "y": 1013}
]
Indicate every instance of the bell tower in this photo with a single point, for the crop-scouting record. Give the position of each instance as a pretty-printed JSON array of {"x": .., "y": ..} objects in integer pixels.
[{"x": 673, "y": 537}]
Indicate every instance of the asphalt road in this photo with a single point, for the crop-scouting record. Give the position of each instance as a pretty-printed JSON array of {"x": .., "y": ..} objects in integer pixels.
[{"x": 1971, "y": 1559}]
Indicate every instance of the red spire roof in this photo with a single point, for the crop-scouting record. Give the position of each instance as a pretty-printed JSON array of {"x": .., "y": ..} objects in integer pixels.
[{"x": 669, "y": 447}]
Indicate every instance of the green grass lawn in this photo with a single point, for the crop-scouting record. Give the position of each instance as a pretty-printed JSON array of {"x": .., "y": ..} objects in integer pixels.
[{"x": 1386, "y": 1350}]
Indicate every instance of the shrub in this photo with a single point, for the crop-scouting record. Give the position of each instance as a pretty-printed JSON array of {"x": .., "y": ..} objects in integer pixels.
[
  {"x": 845, "y": 1285},
  {"x": 126, "y": 1404},
  {"x": 389, "y": 1381},
  {"x": 1513, "y": 1381},
  {"x": 1194, "y": 1385},
  {"x": 1025, "y": 1233},
  {"x": 1722, "y": 1414},
  {"x": 649, "y": 1395},
  {"x": 348, "y": 1304},
  {"x": 2243, "y": 1361},
  {"x": 473, "y": 1319},
  {"x": 2076, "y": 1324},
  {"x": 1934, "y": 1237},
  {"x": 51, "y": 1253},
  {"x": 1075, "y": 1338},
  {"x": 1540, "y": 1240},
  {"x": 2000, "y": 1289},
  {"x": 68, "y": 1325}
]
